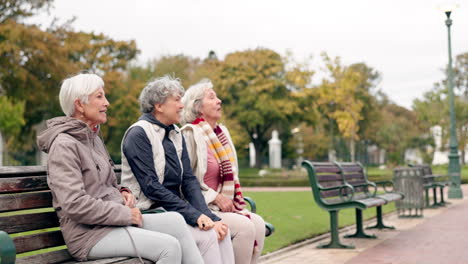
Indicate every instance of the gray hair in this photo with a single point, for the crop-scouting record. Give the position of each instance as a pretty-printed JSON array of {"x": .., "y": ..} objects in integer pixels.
[
  {"x": 157, "y": 91},
  {"x": 192, "y": 100},
  {"x": 79, "y": 87}
]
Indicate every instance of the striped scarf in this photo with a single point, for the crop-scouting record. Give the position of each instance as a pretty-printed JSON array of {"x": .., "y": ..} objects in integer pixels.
[{"x": 229, "y": 185}]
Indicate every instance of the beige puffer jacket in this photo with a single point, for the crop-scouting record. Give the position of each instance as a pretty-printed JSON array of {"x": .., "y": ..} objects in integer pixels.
[{"x": 84, "y": 187}]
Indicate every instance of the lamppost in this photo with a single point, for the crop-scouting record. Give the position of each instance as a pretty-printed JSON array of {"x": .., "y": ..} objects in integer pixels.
[{"x": 455, "y": 191}]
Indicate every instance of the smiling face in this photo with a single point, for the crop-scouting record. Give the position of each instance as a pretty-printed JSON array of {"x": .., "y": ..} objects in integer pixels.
[
  {"x": 94, "y": 112},
  {"x": 169, "y": 112},
  {"x": 210, "y": 109}
]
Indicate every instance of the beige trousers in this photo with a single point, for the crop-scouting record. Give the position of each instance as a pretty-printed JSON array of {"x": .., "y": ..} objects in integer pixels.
[{"x": 244, "y": 232}]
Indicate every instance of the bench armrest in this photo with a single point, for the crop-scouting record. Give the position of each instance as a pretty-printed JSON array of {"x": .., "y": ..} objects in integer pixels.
[
  {"x": 251, "y": 202},
  {"x": 368, "y": 183},
  {"x": 340, "y": 188},
  {"x": 7, "y": 249},
  {"x": 153, "y": 211},
  {"x": 385, "y": 185}
]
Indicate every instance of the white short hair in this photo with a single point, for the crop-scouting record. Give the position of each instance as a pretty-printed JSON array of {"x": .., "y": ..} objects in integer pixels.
[
  {"x": 79, "y": 87},
  {"x": 192, "y": 101},
  {"x": 157, "y": 91}
]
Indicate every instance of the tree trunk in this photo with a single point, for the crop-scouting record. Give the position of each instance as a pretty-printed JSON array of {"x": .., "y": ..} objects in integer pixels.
[
  {"x": 258, "y": 154},
  {"x": 352, "y": 150}
]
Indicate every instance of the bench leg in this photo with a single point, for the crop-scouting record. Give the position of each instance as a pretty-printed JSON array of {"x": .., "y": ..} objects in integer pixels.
[
  {"x": 380, "y": 224},
  {"x": 359, "y": 227},
  {"x": 434, "y": 194},
  {"x": 442, "y": 201},
  {"x": 427, "y": 197},
  {"x": 335, "y": 239}
]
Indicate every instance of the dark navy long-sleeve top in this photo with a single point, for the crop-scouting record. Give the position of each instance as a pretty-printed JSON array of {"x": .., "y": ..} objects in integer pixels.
[{"x": 180, "y": 190}]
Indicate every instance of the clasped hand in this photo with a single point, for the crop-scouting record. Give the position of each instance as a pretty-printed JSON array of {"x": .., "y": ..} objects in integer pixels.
[{"x": 205, "y": 223}]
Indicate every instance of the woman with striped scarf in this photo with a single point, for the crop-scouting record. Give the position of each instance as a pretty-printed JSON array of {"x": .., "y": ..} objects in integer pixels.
[{"x": 214, "y": 162}]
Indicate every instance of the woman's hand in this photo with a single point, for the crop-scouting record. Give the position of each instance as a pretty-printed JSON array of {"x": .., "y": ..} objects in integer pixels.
[
  {"x": 137, "y": 218},
  {"x": 204, "y": 222},
  {"x": 129, "y": 199},
  {"x": 224, "y": 204},
  {"x": 221, "y": 229}
]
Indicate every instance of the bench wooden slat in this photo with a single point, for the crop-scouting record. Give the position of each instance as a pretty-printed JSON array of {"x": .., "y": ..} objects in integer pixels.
[
  {"x": 329, "y": 178},
  {"x": 38, "y": 241},
  {"x": 329, "y": 168},
  {"x": 23, "y": 184},
  {"x": 49, "y": 257},
  {"x": 23, "y": 223},
  {"x": 120, "y": 260},
  {"x": 22, "y": 171},
  {"x": 12, "y": 202}
]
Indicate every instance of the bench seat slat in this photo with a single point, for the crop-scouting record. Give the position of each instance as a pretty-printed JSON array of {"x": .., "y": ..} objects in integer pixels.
[
  {"x": 38, "y": 241},
  {"x": 13, "y": 202},
  {"x": 23, "y": 184},
  {"x": 23, "y": 223},
  {"x": 372, "y": 202},
  {"x": 58, "y": 256},
  {"x": 390, "y": 197}
]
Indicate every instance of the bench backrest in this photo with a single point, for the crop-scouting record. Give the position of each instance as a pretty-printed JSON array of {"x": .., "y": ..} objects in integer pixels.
[
  {"x": 26, "y": 211},
  {"x": 324, "y": 175},
  {"x": 354, "y": 175}
]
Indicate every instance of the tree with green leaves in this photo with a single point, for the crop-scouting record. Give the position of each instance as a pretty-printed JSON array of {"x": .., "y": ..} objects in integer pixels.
[
  {"x": 344, "y": 97},
  {"x": 33, "y": 62},
  {"x": 256, "y": 92},
  {"x": 18, "y": 9}
]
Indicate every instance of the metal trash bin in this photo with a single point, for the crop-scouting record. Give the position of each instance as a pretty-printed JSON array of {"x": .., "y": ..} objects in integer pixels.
[{"x": 410, "y": 182}]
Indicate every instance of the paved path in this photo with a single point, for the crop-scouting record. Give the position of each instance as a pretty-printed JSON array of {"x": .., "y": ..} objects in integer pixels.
[{"x": 439, "y": 237}]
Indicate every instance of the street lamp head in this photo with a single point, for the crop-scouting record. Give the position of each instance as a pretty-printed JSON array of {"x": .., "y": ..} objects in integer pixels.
[{"x": 448, "y": 8}]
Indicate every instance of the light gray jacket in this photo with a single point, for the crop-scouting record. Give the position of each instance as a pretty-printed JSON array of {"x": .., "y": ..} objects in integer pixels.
[{"x": 84, "y": 187}]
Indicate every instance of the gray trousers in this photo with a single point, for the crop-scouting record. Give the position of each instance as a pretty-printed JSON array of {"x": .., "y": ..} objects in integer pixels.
[
  {"x": 244, "y": 232},
  {"x": 212, "y": 250},
  {"x": 164, "y": 238}
]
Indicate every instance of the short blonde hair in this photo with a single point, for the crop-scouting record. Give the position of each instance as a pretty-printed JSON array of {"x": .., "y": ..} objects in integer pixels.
[
  {"x": 79, "y": 87},
  {"x": 192, "y": 100}
]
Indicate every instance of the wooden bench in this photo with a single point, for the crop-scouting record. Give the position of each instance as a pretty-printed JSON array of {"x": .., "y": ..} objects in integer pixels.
[
  {"x": 339, "y": 186},
  {"x": 21, "y": 190},
  {"x": 433, "y": 182},
  {"x": 26, "y": 214}
]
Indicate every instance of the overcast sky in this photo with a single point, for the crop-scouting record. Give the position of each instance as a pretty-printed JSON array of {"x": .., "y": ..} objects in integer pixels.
[{"x": 405, "y": 40}]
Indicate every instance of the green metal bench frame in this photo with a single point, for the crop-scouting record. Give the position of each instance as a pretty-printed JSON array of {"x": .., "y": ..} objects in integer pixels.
[{"x": 333, "y": 192}]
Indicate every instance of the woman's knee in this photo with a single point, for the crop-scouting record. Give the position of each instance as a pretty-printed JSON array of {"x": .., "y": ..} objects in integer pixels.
[
  {"x": 175, "y": 218},
  {"x": 172, "y": 248},
  {"x": 208, "y": 238}
]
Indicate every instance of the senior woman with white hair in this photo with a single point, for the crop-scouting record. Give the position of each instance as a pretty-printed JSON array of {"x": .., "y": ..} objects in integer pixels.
[
  {"x": 214, "y": 162},
  {"x": 156, "y": 167},
  {"x": 98, "y": 218}
]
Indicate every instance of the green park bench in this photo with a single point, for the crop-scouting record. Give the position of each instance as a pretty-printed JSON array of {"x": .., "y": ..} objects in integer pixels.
[
  {"x": 29, "y": 224},
  {"x": 337, "y": 186},
  {"x": 433, "y": 182}
]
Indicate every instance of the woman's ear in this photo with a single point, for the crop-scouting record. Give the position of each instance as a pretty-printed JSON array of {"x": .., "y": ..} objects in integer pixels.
[
  {"x": 158, "y": 108},
  {"x": 79, "y": 109}
]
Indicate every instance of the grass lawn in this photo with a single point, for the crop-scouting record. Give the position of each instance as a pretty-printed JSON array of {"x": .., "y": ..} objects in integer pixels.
[{"x": 296, "y": 217}]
